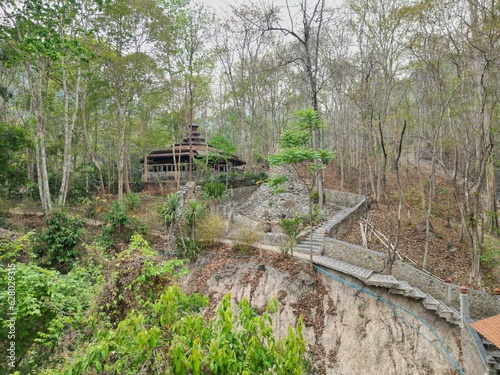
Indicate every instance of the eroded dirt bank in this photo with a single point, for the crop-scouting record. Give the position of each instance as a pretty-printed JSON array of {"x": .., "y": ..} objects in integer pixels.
[{"x": 347, "y": 330}]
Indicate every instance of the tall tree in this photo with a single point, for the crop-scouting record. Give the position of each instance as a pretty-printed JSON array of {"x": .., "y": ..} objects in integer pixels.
[{"x": 304, "y": 24}]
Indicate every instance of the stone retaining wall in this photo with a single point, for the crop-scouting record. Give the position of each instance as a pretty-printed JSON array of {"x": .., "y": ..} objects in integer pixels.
[
  {"x": 342, "y": 198},
  {"x": 242, "y": 192},
  {"x": 482, "y": 304},
  {"x": 358, "y": 209}
]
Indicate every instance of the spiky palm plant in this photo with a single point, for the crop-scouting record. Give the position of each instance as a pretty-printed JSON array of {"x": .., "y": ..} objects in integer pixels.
[{"x": 193, "y": 212}]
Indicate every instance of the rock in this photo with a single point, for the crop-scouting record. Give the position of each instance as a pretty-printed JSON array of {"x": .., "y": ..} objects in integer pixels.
[
  {"x": 267, "y": 228},
  {"x": 422, "y": 227}
]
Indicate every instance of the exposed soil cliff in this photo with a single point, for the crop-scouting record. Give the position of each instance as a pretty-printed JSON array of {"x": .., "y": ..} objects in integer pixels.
[{"x": 347, "y": 330}]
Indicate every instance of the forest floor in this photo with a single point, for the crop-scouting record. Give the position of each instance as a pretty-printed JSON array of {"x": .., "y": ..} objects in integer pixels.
[{"x": 449, "y": 254}]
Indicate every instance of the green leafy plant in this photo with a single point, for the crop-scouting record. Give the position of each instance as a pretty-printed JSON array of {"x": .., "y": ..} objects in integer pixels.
[
  {"x": 296, "y": 151},
  {"x": 132, "y": 202},
  {"x": 56, "y": 244},
  {"x": 119, "y": 226},
  {"x": 232, "y": 343},
  {"x": 194, "y": 211},
  {"x": 214, "y": 191},
  {"x": 277, "y": 184},
  {"x": 170, "y": 210},
  {"x": 291, "y": 228},
  {"x": 46, "y": 303}
]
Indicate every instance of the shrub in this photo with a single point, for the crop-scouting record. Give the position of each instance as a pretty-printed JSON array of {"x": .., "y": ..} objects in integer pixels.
[
  {"x": 211, "y": 229},
  {"x": 56, "y": 244},
  {"x": 214, "y": 190},
  {"x": 132, "y": 202},
  {"x": 119, "y": 226},
  {"x": 247, "y": 236},
  {"x": 116, "y": 216},
  {"x": 252, "y": 178},
  {"x": 315, "y": 197}
]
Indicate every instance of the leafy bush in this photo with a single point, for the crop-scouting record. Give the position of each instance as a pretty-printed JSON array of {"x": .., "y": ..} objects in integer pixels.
[
  {"x": 132, "y": 202},
  {"x": 46, "y": 304},
  {"x": 136, "y": 278},
  {"x": 194, "y": 211},
  {"x": 119, "y": 226},
  {"x": 116, "y": 215},
  {"x": 232, "y": 343},
  {"x": 252, "y": 178},
  {"x": 170, "y": 210},
  {"x": 214, "y": 190},
  {"x": 230, "y": 178},
  {"x": 56, "y": 244}
]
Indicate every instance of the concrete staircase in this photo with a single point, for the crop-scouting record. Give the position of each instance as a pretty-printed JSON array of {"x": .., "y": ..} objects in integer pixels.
[
  {"x": 318, "y": 235},
  {"x": 369, "y": 277}
]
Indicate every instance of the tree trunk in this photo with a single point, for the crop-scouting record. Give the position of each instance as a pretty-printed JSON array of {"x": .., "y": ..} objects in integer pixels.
[
  {"x": 86, "y": 139},
  {"x": 36, "y": 84},
  {"x": 68, "y": 132}
]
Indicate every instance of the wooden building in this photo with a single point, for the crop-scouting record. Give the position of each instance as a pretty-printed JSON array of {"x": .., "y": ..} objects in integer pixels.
[{"x": 163, "y": 165}]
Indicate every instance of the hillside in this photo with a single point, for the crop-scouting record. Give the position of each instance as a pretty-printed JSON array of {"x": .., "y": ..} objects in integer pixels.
[{"x": 347, "y": 331}]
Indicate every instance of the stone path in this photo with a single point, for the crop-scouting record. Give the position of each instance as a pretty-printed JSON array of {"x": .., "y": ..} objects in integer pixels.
[
  {"x": 369, "y": 277},
  {"x": 318, "y": 234}
]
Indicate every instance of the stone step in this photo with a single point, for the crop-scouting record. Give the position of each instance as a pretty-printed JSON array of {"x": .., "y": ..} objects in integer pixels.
[
  {"x": 307, "y": 245},
  {"x": 444, "y": 311},
  {"x": 403, "y": 288},
  {"x": 307, "y": 250},
  {"x": 314, "y": 241},
  {"x": 417, "y": 294},
  {"x": 431, "y": 303},
  {"x": 386, "y": 281},
  {"x": 318, "y": 237},
  {"x": 337, "y": 265}
]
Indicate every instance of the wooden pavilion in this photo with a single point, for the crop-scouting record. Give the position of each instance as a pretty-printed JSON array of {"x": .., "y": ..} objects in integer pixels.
[{"x": 165, "y": 164}]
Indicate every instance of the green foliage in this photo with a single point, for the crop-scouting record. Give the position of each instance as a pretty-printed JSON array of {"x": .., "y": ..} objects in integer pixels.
[
  {"x": 119, "y": 226},
  {"x": 12, "y": 162},
  {"x": 308, "y": 119},
  {"x": 45, "y": 304},
  {"x": 491, "y": 252},
  {"x": 194, "y": 211},
  {"x": 291, "y": 227},
  {"x": 132, "y": 202},
  {"x": 56, "y": 245},
  {"x": 170, "y": 210},
  {"x": 277, "y": 184},
  {"x": 190, "y": 248},
  {"x": 136, "y": 278},
  {"x": 175, "y": 339},
  {"x": 214, "y": 190},
  {"x": 252, "y": 178},
  {"x": 116, "y": 215},
  {"x": 222, "y": 143}
]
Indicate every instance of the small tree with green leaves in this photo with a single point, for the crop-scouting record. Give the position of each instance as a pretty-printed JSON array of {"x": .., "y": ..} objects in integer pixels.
[
  {"x": 296, "y": 151},
  {"x": 55, "y": 246}
]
